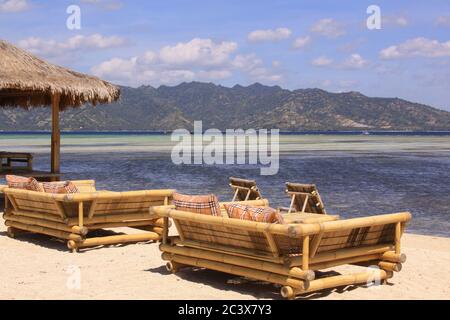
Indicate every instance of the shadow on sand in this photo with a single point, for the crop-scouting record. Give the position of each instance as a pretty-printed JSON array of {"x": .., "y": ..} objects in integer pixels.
[{"x": 257, "y": 289}]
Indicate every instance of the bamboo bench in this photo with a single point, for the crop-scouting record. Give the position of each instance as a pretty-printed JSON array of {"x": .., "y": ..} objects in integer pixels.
[
  {"x": 72, "y": 217},
  {"x": 285, "y": 254},
  {"x": 15, "y": 157}
]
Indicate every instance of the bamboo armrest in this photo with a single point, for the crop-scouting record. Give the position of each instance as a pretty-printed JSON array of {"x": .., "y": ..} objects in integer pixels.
[{"x": 88, "y": 196}]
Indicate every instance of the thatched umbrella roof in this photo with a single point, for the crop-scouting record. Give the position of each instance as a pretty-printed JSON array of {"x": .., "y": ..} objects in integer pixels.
[{"x": 28, "y": 81}]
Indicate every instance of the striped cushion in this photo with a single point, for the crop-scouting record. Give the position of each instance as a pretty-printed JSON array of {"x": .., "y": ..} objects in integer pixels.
[
  {"x": 62, "y": 187},
  {"x": 258, "y": 214},
  {"x": 26, "y": 183},
  {"x": 203, "y": 204}
]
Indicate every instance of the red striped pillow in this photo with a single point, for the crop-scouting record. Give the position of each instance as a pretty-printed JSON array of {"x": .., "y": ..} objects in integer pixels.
[
  {"x": 61, "y": 187},
  {"x": 25, "y": 183},
  {"x": 203, "y": 204},
  {"x": 258, "y": 214}
]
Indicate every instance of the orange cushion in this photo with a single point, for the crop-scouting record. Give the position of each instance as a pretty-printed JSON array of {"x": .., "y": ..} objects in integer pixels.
[
  {"x": 203, "y": 204},
  {"x": 61, "y": 187},
  {"x": 26, "y": 183},
  {"x": 258, "y": 214}
]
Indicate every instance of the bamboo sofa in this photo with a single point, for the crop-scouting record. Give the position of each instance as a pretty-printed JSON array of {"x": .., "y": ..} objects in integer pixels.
[
  {"x": 244, "y": 190},
  {"x": 74, "y": 217},
  {"x": 285, "y": 254}
]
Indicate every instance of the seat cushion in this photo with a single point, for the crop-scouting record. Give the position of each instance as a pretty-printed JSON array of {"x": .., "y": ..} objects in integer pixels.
[
  {"x": 60, "y": 187},
  {"x": 251, "y": 213},
  {"x": 25, "y": 183},
  {"x": 203, "y": 204}
]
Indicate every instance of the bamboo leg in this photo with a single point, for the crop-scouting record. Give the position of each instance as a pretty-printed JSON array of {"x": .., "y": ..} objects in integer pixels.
[
  {"x": 305, "y": 203},
  {"x": 174, "y": 267},
  {"x": 80, "y": 214},
  {"x": 248, "y": 194},
  {"x": 305, "y": 253},
  {"x": 398, "y": 234},
  {"x": 235, "y": 195},
  {"x": 165, "y": 234},
  {"x": 292, "y": 203}
]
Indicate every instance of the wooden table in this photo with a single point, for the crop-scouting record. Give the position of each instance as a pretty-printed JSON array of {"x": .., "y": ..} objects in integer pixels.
[
  {"x": 304, "y": 217},
  {"x": 14, "y": 157}
]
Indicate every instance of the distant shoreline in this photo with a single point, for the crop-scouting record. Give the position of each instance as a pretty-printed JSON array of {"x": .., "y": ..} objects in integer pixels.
[{"x": 312, "y": 132}]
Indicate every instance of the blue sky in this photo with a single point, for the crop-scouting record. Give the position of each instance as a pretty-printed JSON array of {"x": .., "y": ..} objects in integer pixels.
[{"x": 294, "y": 44}]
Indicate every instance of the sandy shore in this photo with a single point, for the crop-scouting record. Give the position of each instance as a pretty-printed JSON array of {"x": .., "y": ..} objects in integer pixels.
[{"x": 35, "y": 267}]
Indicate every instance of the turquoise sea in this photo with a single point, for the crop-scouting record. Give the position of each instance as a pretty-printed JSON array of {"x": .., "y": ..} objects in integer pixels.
[{"x": 357, "y": 175}]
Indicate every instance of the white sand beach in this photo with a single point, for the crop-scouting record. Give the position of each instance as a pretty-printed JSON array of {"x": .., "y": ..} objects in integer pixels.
[{"x": 36, "y": 267}]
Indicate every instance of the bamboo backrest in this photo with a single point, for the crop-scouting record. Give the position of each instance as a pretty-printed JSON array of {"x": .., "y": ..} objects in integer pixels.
[
  {"x": 256, "y": 238},
  {"x": 99, "y": 203},
  {"x": 304, "y": 198},
  {"x": 244, "y": 190}
]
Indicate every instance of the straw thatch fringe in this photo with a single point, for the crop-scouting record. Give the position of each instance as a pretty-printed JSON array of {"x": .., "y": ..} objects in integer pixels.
[{"x": 28, "y": 81}]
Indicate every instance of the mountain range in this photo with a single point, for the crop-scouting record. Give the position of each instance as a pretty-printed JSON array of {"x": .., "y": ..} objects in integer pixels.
[{"x": 255, "y": 106}]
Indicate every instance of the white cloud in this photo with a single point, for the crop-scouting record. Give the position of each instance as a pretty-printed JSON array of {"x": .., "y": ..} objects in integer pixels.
[
  {"x": 322, "y": 61},
  {"x": 393, "y": 20},
  {"x": 198, "y": 52},
  {"x": 355, "y": 61},
  {"x": 442, "y": 21},
  {"x": 276, "y": 63},
  {"x": 328, "y": 27},
  {"x": 254, "y": 68},
  {"x": 418, "y": 47},
  {"x": 198, "y": 59},
  {"x": 13, "y": 5},
  {"x": 54, "y": 48},
  {"x": 301, "y": 42},
  {"x": 269, "y": 35}
]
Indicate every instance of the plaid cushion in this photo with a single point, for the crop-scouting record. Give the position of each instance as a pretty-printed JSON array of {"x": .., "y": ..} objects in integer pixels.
[
  {"x": 203, "y": 204},
  {"x": 26, "y": 183},
  {"x": 62, "y": 187},
  {"x": 258, "y": 214}
]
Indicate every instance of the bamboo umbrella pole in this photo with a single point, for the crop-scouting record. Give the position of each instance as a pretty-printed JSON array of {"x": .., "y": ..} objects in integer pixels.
[{"x": 56, "y": 138}]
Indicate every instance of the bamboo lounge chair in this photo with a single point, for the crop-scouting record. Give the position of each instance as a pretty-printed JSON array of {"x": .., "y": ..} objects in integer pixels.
[
  {"x": 285, "y": 254},
  {"x": 244, "y": 189},
  {"x": 304, "y": 198},
  {"x": 72, "y": 217}
]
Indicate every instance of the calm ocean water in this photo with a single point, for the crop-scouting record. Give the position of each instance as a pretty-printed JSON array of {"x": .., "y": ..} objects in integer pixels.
[{"x": 357, "y": 175}]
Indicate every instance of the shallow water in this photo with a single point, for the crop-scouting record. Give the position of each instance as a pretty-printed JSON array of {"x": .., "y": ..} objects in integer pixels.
[{"x": 356, "y": 175}]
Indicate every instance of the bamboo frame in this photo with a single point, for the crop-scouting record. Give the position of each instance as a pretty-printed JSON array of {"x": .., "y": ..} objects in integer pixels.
[
  {"x": 71, "y": 217},
  {"x": 320, "y": 247}
]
